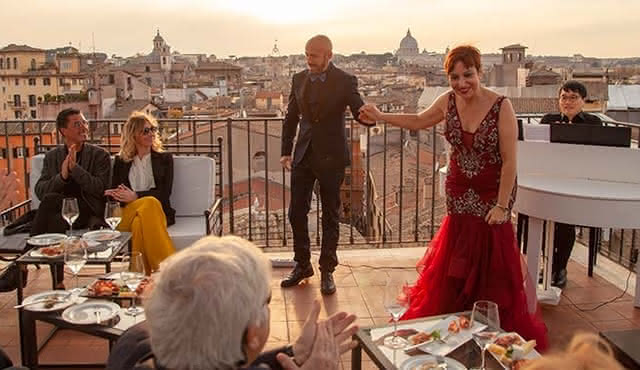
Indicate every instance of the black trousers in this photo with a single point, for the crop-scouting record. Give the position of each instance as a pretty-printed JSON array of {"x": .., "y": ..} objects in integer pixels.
[
  {"x": 564, "y": 237},
  {"x": 49, "y": 219},
  {"x": 303, "y": 178}
]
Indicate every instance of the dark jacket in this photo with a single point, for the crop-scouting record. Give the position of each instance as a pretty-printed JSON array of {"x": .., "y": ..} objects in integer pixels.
[
  {"x": 133, "y": 351},
  {"x": 581, "y": 118},
  {"x": 162, "y": 166},
  {"x": 324, "y": 124},
  {"x": 92, "y": 175}
]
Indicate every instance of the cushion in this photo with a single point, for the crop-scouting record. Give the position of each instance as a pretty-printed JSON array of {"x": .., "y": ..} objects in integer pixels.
[
  {"x": 186, "y": 231},
  {"x": 193, "y": 185}
]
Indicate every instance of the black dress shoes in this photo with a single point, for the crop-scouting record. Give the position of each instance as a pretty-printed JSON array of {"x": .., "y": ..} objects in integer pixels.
[
  {"x": 560, "y": 279},
  {"x": 298, "y": 274},
  {"x": 327, "y": 285}
]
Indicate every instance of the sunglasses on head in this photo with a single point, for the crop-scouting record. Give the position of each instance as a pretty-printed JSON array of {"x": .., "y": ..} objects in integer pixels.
[{"x": 149, "y": 130}]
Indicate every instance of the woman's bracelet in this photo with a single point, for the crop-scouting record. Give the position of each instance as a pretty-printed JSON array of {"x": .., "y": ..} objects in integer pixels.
[{"x": 502, "y": 207}]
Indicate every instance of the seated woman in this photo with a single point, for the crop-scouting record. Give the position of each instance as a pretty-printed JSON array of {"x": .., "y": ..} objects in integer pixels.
[{"x": 142, "y": 179}]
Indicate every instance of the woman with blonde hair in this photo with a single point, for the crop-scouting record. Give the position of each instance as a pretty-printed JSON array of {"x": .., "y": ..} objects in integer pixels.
[
  {"x": 585, "y": 352},
  {"x": 142, "y": 179}
]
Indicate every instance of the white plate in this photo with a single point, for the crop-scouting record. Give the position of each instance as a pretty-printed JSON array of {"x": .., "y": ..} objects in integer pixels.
[
  {"x": 85, "y": 313},
  {"x": 529, "y": 356},
  {"x": 101, "y": 235},
  {"x": 46, "y": 239},
  {"x": 415, "y": 361},
  {"x": 453, "y": 341},
  {"x": 40, "y": 307},
  {"x": 38, "y": 252}
]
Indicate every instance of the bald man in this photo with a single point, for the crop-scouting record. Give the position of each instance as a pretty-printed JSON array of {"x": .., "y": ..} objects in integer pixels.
[{"x": 318, "y": 100}]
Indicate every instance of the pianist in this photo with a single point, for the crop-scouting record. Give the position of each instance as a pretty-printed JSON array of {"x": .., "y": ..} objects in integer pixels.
[{"x": 571, "y": 99}]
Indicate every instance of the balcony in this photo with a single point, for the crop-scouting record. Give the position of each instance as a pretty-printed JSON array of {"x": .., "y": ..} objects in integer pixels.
[
  {"x": 17, "y": 105},
  {"x": 394, "y": 207}
]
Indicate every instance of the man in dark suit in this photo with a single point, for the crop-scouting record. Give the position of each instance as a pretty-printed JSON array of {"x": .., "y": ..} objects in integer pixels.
[
  {"x": 318, "y": 100},
  {"x": 73, "y": 170},
  {"x": 571, "y": 102}
]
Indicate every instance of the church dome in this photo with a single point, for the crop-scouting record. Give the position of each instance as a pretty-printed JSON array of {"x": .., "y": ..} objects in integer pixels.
[{"x": 408, "y": 42}]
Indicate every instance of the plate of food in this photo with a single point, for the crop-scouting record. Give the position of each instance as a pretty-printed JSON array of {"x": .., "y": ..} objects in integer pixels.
[
  {"x": 91, "y": 313},
  {"x": 114, "y": 288},
  {"x": 49, "y": 301},
  {"x": 46, "y": 239},
  {"x": 447, "y": 335},
  {"x": 101, "y": 235},
  {"x": 428, "y": 362},
  {"x": 512, "y": 351},
  {"x": 52, "y": 251}
]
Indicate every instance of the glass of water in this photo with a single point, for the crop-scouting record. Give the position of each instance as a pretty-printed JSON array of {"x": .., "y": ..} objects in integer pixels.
[
  {"x": 70, "y": 212},
  {"x": 396, "y": 303},
  {"x": 75, "y": 257},
  {"x": 113, "y": 216},
  {"x": 485, "y": 313}
]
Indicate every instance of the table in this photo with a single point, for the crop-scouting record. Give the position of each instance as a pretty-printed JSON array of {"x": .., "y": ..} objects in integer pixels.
[
  {"x": 468, "y": 354},
  {"x": 625, "y": 346},
  {"x": 29, "y": 340},
  {"x": 123, "y": 241},
  {"x": 597, "y": 187}
]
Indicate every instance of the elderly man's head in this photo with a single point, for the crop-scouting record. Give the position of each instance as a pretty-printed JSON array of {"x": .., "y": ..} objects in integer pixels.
[
  {"x": 318, "y": 52},
  {"x": 209, "y": 308}
]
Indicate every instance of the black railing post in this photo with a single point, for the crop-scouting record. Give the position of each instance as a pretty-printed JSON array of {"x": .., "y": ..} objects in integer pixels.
[
  {"x": 384, "y": 186},
  {"x": 415, "y": 232},
  {"x": 230, "y": 172},
  {"x": 401, "y": 203},
  {"x": 266, "y": 183},
  {"x": 433, "y": 182},
  {"x": 249, "y": 193}
]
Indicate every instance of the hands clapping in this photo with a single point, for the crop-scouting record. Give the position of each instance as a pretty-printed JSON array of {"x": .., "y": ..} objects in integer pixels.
[{"x": 69, "y": 162}]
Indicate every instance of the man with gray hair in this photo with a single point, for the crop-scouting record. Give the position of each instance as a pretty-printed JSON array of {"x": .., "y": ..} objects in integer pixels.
[
  {"x": 317, "y": 103},
  {"x": 209, "y": 309}
]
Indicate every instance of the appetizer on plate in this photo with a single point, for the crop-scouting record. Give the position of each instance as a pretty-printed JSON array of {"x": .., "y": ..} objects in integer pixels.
[
  {"x": 510, "y": 349},
  {"x": 422, "y": 337}
]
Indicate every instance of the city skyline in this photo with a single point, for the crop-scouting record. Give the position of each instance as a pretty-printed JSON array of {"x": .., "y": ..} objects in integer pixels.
[{"x": 249, "y": 28}]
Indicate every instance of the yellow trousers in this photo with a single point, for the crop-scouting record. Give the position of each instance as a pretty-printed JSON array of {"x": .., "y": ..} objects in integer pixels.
[{"x": 146, "y": 221}]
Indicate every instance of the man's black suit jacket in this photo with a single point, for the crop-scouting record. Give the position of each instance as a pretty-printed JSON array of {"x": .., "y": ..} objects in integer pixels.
[{"x": 323, "y": 125}]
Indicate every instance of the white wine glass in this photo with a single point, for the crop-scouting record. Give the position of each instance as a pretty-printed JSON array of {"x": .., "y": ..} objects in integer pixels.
[
  {"x": 113, "y": 216},
  {"x": 70, "y": 212},
  {"x": 75, "y": 257},
  {"x": 396, "y": 303},
  {"x": 132, "y": 279},
  {"x": 485, "y": 313}
]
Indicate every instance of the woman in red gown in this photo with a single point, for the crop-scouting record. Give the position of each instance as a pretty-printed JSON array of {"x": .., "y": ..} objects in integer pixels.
[{"x": 474, "y": 255}]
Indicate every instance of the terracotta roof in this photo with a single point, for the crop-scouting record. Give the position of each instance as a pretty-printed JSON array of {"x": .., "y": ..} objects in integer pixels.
[
  {"x": 534, "y": 105},
  {"x": 217, "y": 66},
  {"x": 268, "y": 94},
  {"x": 125, "y": 110},
  {"x": 14, "y": 47}
]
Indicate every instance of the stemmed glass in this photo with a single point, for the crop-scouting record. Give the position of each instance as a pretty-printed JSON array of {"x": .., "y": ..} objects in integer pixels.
[
  {"x": 132, "y": 277},
  {"x": 75, "y": 257},
  {"x": 70, "y": 212},
  {"x": 113, "y": 216},
  {"x": 396, "y": 303},
  {"x": 485, "y": 313}
]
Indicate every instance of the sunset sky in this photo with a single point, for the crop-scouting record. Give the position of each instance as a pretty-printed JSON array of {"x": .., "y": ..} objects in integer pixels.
[{"x": 246, "y": 27}]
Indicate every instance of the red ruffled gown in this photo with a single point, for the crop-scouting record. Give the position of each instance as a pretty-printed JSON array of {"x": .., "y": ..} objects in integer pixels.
[{"x": 468, "y": 259}]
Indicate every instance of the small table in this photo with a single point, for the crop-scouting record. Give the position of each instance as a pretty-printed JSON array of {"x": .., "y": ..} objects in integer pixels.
[
  {"x": 26, "y": 259},
  {"x": 467, "y": 354},
  {"x": 29, "y": 341},
  {"x": 625, "y": 346}
]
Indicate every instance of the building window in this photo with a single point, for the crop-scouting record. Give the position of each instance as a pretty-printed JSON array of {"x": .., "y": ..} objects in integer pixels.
[
  {"x": 347, "y": 180},
  {"x": 17, "y": 82},
  {"x": 147, "y": 69},
  {"x": 33, "y": 64},
  {"x": 32, "y": 82},
  {"x": 18, "y": 152},
  {"x": 112, "y": 79},
  {"x": 46, "y": 81},
  {"x": 16, "y": 100},
  {"x": 8, "y": 63},
  {"x": 1, "y": 63},
  {"x": 33, "y": 114},
  {"x": 15, "y": 63},
  {"x": 18, "y": 114},
  {"x": 164, "y": 60},
  {"x": 32, "y": 100},
  {"x": 148, "y": 79},
  {"x": 61, "y": 81},
  {"x": 3, "y": 153}
]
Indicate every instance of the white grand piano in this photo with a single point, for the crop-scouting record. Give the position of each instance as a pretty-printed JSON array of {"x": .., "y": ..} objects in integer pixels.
[{"x": 583, "y": 185}]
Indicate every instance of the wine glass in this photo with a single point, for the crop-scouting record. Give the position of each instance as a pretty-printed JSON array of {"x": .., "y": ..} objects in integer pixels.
[
  {"x": 396, "y": 303},
  {"x": 75, "y": 257},
  {"x": 132, "y": 278},
  {"x": 113, "y": 216},
  {"x": 485, "y": 313},
  {"x": 70, "y": 212}
]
